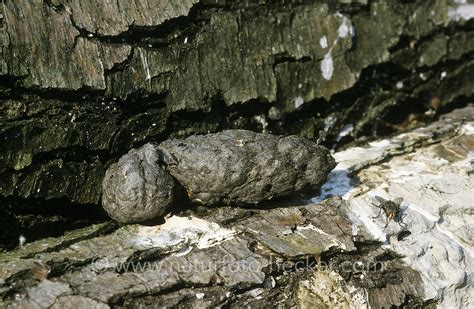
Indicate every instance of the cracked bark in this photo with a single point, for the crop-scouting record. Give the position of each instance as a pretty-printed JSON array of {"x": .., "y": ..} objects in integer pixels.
[
  {"x": 284, "y": 252},
  {"x": 105, "y": 85},
  {"x": 81, "y": 85}
]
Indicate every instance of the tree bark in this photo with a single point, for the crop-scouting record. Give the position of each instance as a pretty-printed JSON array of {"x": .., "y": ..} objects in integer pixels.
[
  {"x": 83, "y": 82},
  {"x": 290, "y": 253}
]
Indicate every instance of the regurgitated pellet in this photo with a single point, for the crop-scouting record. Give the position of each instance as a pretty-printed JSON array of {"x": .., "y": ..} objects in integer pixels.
[{"x": 234, "y": 167}]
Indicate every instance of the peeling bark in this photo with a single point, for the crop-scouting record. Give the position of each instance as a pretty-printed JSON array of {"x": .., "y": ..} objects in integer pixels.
[
  {"x": 81, "y": 84},
  {"x": 92, "y": 88},
  {"x": 283, "y": 253}
]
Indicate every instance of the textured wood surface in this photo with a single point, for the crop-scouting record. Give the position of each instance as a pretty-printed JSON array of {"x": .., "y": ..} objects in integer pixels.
[{"x": 321, "y": 253}]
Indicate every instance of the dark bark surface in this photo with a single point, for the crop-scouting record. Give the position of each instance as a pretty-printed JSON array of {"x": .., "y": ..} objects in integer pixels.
[
  {"x": 257, "y": 257},
  {"x": 290, "y": 253},
  {"x": 82, "y": 83}
]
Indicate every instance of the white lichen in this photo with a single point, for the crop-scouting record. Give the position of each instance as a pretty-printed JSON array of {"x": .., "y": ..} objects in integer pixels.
[
  {"x": 347, "y": 130},
  {"x": 343, "y": 29},
  {"x": 21, "y": 240},
  {"x": 263, "y": 121},
  {"x": 298, "y": 102},
  {"x": 323, "y": 42},
  {"x": 327, "y": 66},
  {"x": 329, "y": 121},
  {"x": 179, "y": 230},
  {"x": 462, "y": 11}
]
